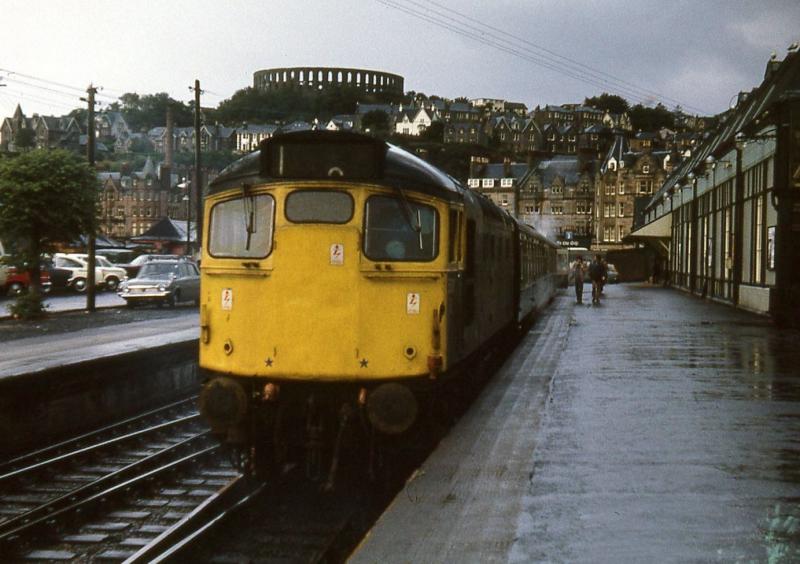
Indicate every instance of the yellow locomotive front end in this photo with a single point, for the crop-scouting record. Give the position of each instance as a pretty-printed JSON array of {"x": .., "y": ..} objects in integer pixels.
[
  {"x": 323, "y": 294},
  {"x": 330, "y": 282}
]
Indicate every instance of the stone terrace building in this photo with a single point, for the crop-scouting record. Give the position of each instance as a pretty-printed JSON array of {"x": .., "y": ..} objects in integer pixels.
[
  {"x": 132, "y": 204},
  {"x": 499, "y": 182},
  {"x": 557, "y": 198},
  {"x": 624, "y": 177},
  {"x": 555, "y": 195}
]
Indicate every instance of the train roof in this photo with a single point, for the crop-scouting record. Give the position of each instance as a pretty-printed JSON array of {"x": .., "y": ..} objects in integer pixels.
[
  {"x": 533, "y": 232},
  {"x": 333, "y": 155}
]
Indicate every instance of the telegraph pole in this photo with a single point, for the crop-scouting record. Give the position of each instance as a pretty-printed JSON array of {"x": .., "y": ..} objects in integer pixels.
[
  {"x": 198, "y": 179},
  {"x": 90, "y": 281}
]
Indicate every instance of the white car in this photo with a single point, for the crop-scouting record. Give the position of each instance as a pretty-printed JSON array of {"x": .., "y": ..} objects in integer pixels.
[{"x": 106, "y": 274}]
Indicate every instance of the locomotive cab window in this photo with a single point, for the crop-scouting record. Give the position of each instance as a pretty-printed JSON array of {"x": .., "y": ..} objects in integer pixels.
[
  {"x": 400, "y": 230},
  {"x": 319, "y": 206},
  {"x": 242, "y": 227}
]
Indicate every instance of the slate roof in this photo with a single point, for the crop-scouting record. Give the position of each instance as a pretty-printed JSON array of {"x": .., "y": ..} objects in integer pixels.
[
  {"x": 362, "y": 109},
  {"x": 167, "y": 229},
  {"x": 565, "y": 166},
  {"x": 269, "y": 128},
  {"x": 497, "y": 170}
]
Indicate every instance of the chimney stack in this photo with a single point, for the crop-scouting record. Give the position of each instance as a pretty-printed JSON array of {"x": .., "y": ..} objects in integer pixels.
[{"x": 506, "y": 167}]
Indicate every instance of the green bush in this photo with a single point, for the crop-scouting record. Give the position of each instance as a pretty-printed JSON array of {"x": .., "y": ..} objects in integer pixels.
[{"x": 27, "y": 306}]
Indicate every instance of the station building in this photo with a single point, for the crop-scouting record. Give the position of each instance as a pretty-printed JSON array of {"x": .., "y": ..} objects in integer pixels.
[{"x": 726, "y": 221}]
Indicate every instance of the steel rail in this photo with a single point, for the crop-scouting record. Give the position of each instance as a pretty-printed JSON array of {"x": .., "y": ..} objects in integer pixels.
[
  {"x": 110, "y": 442},
  {"x": 22, "y": 459},
  {"x": 102, "y": 496},
  {"x": 216, "y": 508}
]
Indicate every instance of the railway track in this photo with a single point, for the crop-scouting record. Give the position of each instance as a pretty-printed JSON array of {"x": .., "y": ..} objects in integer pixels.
[
  {"x": 111, "y": 493},
  {"x": 157, "y": 488}
]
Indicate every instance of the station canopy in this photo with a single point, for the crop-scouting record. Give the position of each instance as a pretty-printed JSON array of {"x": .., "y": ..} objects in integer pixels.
[{"x": 656, "y": 233}]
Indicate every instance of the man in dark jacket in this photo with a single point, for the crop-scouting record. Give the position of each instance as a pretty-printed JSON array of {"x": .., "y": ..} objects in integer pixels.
[{"x": 597, "y": 274}]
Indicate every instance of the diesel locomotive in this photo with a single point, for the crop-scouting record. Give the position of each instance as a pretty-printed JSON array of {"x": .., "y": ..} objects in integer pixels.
[{"x": 346, "y": 286}]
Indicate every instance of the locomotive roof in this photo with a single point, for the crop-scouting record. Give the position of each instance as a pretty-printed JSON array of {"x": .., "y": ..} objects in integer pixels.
[{"x": 398, "y": 168}]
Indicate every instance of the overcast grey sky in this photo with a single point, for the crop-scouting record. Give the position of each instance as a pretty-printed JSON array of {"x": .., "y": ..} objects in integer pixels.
[{"x": 693, "y": 52}]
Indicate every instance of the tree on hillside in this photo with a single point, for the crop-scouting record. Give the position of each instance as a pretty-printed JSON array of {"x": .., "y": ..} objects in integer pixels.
[
  {"x": 150, "y": 110},
  {"x": 651, "y": 119},
  {"x": 46, "y": 197},
  {"x": 434, "y": 133},
  {"x": 610, "y": 102},
  {"x": 376, "y": 123}
]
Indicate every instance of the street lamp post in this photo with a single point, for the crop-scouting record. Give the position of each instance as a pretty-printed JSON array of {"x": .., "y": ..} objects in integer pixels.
[
  {"x": 188, "y": 224},
  {"x": 186, "y": 185}
]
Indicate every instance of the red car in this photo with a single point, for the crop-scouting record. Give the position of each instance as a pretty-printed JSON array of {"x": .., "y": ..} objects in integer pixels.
[{"x": 17, "y": 282}]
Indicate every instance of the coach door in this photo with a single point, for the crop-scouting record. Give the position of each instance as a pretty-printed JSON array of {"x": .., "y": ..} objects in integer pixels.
[{"x": 456, "y": 283}]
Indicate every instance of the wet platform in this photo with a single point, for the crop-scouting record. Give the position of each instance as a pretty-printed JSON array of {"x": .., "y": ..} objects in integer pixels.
[
  {"x": 654, "y": 427},
  {"x": 38, "y": 354}
]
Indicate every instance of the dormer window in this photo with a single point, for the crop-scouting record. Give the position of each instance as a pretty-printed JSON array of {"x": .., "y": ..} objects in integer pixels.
[
  {"x": 506, "y": 182},
  {"x": 488, "y": 183},
  {"x": 474, "y": 182}
]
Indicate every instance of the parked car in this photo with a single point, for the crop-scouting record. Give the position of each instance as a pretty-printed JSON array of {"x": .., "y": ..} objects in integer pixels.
[
  {"x": 106, "y": 275},
  {"x": 132, "y": 268},
  {"x": 14, "y": 281},
  {"x": 118, "y": 257},
  {"x": 613, "y": 274},
  {"x": 163, "y": 282}
]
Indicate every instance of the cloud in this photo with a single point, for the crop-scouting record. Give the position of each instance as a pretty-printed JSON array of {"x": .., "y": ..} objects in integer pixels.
[{"x": 768, "y": 30}]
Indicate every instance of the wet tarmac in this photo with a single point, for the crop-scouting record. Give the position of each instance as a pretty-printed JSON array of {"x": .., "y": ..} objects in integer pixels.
[
  {"x": 656, "y": 427},
  {"x": 672, "y": 434}
]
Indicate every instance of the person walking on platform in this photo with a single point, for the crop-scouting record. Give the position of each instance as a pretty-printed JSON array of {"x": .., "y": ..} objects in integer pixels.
[
  {"x": 603, "y": 280},
  {"x": 597, "y": 273},
  {"x": 578, "y": 271}
]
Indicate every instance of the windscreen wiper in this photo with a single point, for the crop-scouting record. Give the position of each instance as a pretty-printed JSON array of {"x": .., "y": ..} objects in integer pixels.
[{"x": 409, "y": 215}]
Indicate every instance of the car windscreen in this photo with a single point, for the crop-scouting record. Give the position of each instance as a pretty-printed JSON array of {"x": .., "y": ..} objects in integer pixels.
[
  {"x": 158, "y": 270},
  {"x": 242, "y": 227},
  {"x": 397, "y": 229}
]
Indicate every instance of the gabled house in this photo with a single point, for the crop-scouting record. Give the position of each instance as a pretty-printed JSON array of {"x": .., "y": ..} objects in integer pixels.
[
  {"x": 342, "y": 122},
  {"x": 500, "y": 182},
  {"x": 466, "y": 133},
  {"x": 217, "y": 138},
  {"x": 249, "y": 135}
]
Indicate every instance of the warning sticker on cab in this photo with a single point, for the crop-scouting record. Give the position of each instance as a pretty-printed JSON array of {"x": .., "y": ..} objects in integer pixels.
[
  {"x": 337, "y": 254},
  {"x": 412, "y": 304},
  {"x": 227, "y": 298}
]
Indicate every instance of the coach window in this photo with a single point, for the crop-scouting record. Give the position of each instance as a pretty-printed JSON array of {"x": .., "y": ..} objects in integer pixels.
[
  {"x": 400, "y": 230},
  {"x": 319, "y": 206},
  {"x": 242, "y": 228}
]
